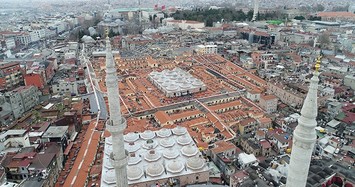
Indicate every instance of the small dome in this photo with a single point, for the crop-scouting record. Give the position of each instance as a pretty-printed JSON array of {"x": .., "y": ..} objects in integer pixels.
[
  {"x": 134, "y": 173},
  {"x": 152, "y": 156},
  {"x": 133, "y": 160},
  {"x": 189, "y": 150},
  {"x": 171, "y": 87},
  {"x": 171, "y": 153},
  {"x": 179, "y": 130},
  {"x": 108, "y": 164},
  {"x": 110, "y": 177},
  {"x": 148, "y": 134},
  {"x": 131, "y": 137},
  {"x": 167, "y": 142},
  {"x": 109, "y": 140},
  {"x": 174, "y": 167},
  {"x": 155, "y": 169},
  {"x": 108, "y": 150},
  {"x": 184, "y": 140},
  {"x": 132, "y": 147},
  {"x": 195, "y": 163},
  {"x": 150, "y": 144},
  {"x": 162, "y": 133}
]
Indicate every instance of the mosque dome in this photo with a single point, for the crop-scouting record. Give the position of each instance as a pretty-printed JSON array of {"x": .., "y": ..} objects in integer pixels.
[
  {"x": 179, "y": 130},
  {"x": 110, "y": 177},
  {"x": 152, "y": 156},
  {"x": 131, "y": 137},
  {"x": 133, "y": 160},
  {"x": 134, "y": 173},
  {"x": 195, "y": 163},
  {"x": 108, "y": 164},
  {"x": 109, "y": 140},
  {"x": 132, "y": 147},
  {"x": 174, "y": 166},
  {"x": 148, "y": 134},
  {"x": 162, "y": 133},
  {"x": 155, "y": 169},
  {"x": 184, "y": 140},
  {"x": 167, "y": 142},
  {"x": 171, "y": 153},
  {"x": 150, "y": 144},
  {"x": 189, "y": 150},
  {"x": 108, "y": 150}
]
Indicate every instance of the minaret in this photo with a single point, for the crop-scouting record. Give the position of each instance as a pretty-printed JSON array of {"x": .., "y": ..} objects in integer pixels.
[
  {"x": 116, "y": 124},
  {"x": 304, "y": 136}
]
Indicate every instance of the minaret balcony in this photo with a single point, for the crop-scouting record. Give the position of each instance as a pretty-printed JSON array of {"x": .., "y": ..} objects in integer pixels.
[
  {"x": 114, "y": 128},
  {"x": 119, "y": 163}
]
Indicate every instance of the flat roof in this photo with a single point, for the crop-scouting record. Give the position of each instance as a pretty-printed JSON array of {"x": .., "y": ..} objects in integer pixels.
[
  {"x": 55, "y": 131},
  {"x": 170, "y": 149}
]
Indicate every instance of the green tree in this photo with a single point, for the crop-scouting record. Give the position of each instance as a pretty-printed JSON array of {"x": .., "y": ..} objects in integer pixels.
[
  {"x": 300, "y": 18},
  {"x": 319, "y": 8},
  {"x": 324, "y": 39}
]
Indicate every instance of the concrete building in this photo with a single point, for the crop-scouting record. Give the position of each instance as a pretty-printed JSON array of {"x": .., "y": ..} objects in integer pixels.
[
  {"x": 176, "y": 82},
  {"x": 69, "y": 85},
  {"x": 14, "y": 139},
  {"x": 58, "y": 134},
  {"x": 349, "y": 80},
  {"x": 268, "y": 103},
  {"x": 304, "y": 136},
  {"x": 6, "y": 114},
  {"x": 246, "y": 160},
  {"x": 185, "y": 24},
  {"x": 206, "y": 49},
  {"x": 10, "y": 76},
  {"x": 167, "y": 156},
  {"x": 22, "y": 99}
]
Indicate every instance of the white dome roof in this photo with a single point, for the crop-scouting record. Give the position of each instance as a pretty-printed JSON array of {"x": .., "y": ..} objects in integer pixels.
[
  {"x": 172, "y": 87},
  {"x": 184, "y": 140},
  {"x": 167, "y": 142},
  {"x": 132, "y": 147},
  {"x": 171, "y": 153},
  {"x": 179, "y": 130},
  {"x": 108, "y": 150},
  {"x": 164, "y": 133},
  {"x": 131, "y": 137},
  {"x": 110, "y": 177},
  {"x": 152, "y": 156},
  {"x": 174, "y": 167},
  {"x": 155, "y": 169},
  {"x": 189, "y": 150},
  {"x": 150, "y": 144},
  {"x": 195, "y": 163},
  {"x": 134, "y": 160},
  {"x": 148, "y": 134},
  {"x": 134, "y": 173},
  {"x": 108, "y": 163}
]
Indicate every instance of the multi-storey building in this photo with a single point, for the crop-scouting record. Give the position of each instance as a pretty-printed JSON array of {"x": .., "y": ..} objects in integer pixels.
[
  {"x": 14, "y": 138},
  {"x": 22, "y": 99},
  {"x": 10, "y": 76},
  {"x": 268, "y": 103}
]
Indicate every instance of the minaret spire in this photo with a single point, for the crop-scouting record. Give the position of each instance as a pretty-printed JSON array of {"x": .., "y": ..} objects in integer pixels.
[
  {"x": 304, "y": 136},
  {"x": 116, "y": 124}
]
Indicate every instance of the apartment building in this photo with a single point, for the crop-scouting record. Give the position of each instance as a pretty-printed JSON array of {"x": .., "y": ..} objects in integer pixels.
[
  {"x": 10, "y": 75},
  {"x": 268, "y": 103},
  {"x": 14, "y": 139},
  {"x": 206, "y": 49},
  {"x": 22, "y": 99}
]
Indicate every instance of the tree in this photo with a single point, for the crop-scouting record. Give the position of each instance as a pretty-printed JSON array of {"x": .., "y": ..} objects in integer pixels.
[
  {"x": 319, "y": 8},
  {"x": 324, "y": 39},
  {"x": 299, "y": 18},
  {"x": 314, "y": 18}
]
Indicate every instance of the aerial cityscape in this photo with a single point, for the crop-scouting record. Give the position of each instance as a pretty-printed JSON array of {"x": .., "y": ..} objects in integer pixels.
[{"x": 205, "y": 93}]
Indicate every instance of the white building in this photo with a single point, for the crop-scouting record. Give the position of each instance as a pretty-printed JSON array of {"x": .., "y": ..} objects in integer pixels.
[
  {"x": 14, "y": 138},
  {"x": 246, "y": 160},
  {"x": 349, "y": 80},
  {"x": 207, "y": 49},
  {"x": 185, "y": 24},
  {"x": 68, "y": 85},
  {"x": 158, "y": 158},
  {"x": 176, "y": 82}
]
